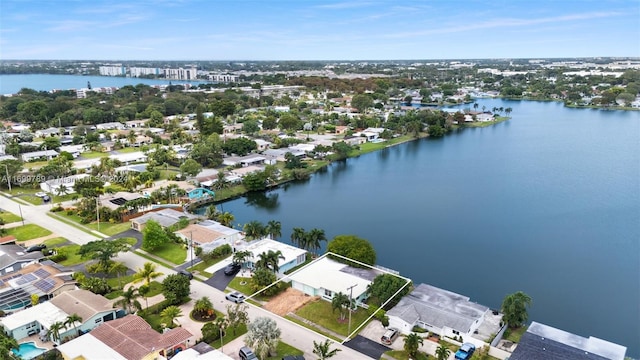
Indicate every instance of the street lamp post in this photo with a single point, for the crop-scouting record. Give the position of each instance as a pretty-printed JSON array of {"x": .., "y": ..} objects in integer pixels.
[{"x": 350, "y": 301}]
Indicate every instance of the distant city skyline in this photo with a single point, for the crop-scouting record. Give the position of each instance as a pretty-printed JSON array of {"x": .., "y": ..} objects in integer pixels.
[{"x": 317, "y": 30}]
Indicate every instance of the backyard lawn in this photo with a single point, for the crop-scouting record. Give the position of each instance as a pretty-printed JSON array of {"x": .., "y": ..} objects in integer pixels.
[
  {"x": 320, "y": 312},
  {"x": 93, "y": 154},
  {"x": 9, "y": 218},
  {"x": 28, "y": 232},
  {"x": 403, "y": 355}
]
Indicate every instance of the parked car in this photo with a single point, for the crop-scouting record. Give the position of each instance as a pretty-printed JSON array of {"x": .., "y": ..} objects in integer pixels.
[
  {"x": 465, "y": 352},
  {"x": 232, "y": 269},
  {"x": 38, "y": 247},
  {"x": 293, "y": 357},
  {"x": 186, "y": 274},
  {"x": 246, "y": 354},
  {"x": 389, "y": 336},
  {"x": 46, "y": 198},
  {"x": 236, "y": 297},
  {"x": 41, "y": 194}
]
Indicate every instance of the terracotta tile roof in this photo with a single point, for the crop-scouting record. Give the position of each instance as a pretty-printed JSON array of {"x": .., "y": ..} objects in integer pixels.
[
  {"x": 133, "y": 338},
  {"x": 200, "y": 234},
  {"x": 7, "y": 239}
]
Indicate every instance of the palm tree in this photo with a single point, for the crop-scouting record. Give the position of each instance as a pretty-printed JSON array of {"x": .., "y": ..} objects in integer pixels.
[
  {"x": 226, "y": 219},
  {"x": 62, "y": 190},
  {"x": 203, "y": 305},
  {"x": 147, "y": 273},
  {"x": 143, "y": 291},
  {"x": 54, "y": 331},
  {"x": 323, "y": 351},
  {"x": 314, "y": 238},
  {"x": 132, "y": 182},
  {"x": 274, "y": 229},
  {"x": 71, "y": 320},
  {"x": 508, "y": 111},
  {"x": 270, "y": 260},
  {"x": 149, "y": 183},
  {"x": 298, "y": 236},
  {"x": 118, "y": 268},
  {"x": 170, "y": 313},
  {"x": 442, "y": 352},
  {"x": 338, "y": 302},
  {"x": 241, "y": 256},
  {"x": 253, "y": 230},
  {"x": 412, "y": 343},
  {"x": 475, "y": 106},
  {"x": 514, "y": 308},
  {"x": 212, "y": 212},
  {"x": 129, "y": 300}
]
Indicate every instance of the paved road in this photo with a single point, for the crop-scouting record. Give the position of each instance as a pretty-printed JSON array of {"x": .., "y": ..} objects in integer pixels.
[{"x": 292, "y": 333}]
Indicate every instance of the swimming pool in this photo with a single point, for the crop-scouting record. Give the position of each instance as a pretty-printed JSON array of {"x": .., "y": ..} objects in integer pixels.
[{"x": 28, "y": 350}]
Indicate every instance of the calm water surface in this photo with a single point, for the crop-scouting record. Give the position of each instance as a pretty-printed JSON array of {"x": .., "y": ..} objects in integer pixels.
[
  {"x": 11, "y": 84},
  {"x": 547, "y": 203}
]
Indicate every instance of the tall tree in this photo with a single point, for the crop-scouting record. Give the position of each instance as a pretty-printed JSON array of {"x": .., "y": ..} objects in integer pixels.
[
  {"x": 340, "y": 302},
  {"x": 72, "y": 320},
  {"x": 274, "y": 229},
  {"x": 352, "y": 247},
  {"x": 314, "y": 239},
  {"x": 176, "y": 288},
  {"x": 170, "y": 313},
  {"x": 270, "y": 260},
  {"x": 54, "y": 331},
  {"x": 298, "y": 237},
  {"x": 323, "y": 350},
  {"x": 153, "y": 236},
  {"x": 412, "y": 343},
  {"x": 254, "y": 230},
  {"x": 514, "y": 308},
  {"x": 442, "y": 352},
  {"x": 263, "y": 336},
  {"x": 226, "y": 219},
  {"x": 129, "y": 301},
  {"x": 103, "y": 251},
  {"x": 146, "y": 273},
  {"x": 237, "y": 315}
]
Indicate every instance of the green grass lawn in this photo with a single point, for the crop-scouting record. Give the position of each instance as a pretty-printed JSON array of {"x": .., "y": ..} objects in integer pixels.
[
  {"x": 320, "y": 312},
  {"x": 93, "y": 154},
  {"x": 172, "y": 252},
  {"x": 55, "y": 242},
  {"x": 28, "y": 232},
  {"x": 104, "y": 227},
  {"x": 245, "y": 289},
  {"x": 9, "y": 218},
  {"x": 128, "y": 150},
  {"x": 116, "y": 283},
  {"x": 131, "y": 241},
  {"x": 403, "y": 355},
  {"x": 514, "y": 335},
  {"x": 283, "y": 349},
  {"x": 229, "y": 336},
  {"x": 73, "y": 258},
  {"x": 202, "y": 266},
  {"x": 28, "y": 195}
]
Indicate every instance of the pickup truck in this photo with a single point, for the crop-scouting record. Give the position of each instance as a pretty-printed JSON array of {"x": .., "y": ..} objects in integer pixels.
[{"x": 465, "y": 352}]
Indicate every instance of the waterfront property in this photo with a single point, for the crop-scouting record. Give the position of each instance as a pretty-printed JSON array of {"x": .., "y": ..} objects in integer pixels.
[
  {"x": 291, "y": 255},
  {"x": 129, "y": 338},
  {"x": 93, "y": 309},
  {"x": 442, "y": 312},
  {"x": 326, "y": 277},
  {"x": 164, "y": 217},
  {"x": 543, "y": 342},
  {"x": 209, "y": 235}
]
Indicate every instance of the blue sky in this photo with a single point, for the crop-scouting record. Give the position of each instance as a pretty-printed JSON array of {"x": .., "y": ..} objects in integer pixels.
[{"x": 317, "y": 30}]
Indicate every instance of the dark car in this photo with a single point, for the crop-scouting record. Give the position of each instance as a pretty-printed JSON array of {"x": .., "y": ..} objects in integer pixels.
[
  {"x": 46, "y": 198},
  {"x": 38, "y": 247},
  {"x": 246, "y": 354},
  {"x": 293, "y": 357},
  {"x": 232, "y": 269},
  {"x": 186, "y": 274},
  {"x": 465, "y": 352}
]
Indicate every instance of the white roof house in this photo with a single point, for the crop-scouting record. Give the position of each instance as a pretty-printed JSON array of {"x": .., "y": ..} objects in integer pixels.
[
  {"x": 48, "y": 154},
  {"x": 127, "y": 158},
  {"x": 45, "y": 313},
  {"x": 54, "y": 184},
  {"x": 293, "y": 256},
  {"x": 326, "y": 277}
]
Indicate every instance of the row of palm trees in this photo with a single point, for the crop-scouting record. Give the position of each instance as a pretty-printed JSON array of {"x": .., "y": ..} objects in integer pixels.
[
  {"x": 54, "y": 330},
  {"x": 256, "y": 230},
  {"x": 268, "y": 260},
  {"x": 310, "y": 241},
  {"x": 413, "y": 341}
]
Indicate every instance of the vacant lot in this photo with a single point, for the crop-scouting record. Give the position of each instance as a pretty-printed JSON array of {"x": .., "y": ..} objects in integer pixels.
[{"x": 288, "y": 301}]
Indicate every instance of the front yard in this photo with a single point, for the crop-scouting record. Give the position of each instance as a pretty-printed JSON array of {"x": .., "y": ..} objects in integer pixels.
[
  {"x": 28, "y": 232},
  {"x": 9, "y": 218},
  {"x": 106, "y": 228},
  {"x": 172, "y": 252},
  {"x": 321, "y": 313}
]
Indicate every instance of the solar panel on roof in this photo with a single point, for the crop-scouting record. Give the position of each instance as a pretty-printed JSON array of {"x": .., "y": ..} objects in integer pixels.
[
  {"x": 45, "y": 285},
  {"x": 25, "y": 279},
  {"x": 118, "y": 201},
  {"x": 42, "y": 273}
]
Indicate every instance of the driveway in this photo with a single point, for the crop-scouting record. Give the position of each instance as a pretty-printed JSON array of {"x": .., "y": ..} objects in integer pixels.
[
  {"x": 219, "y": 280},
  {"x": 129, "y": 233},
  {"x": 366, "y": 346}
]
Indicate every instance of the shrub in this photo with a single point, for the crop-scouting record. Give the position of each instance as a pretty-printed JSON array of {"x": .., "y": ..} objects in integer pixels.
[{"x": 70, "y": 212}]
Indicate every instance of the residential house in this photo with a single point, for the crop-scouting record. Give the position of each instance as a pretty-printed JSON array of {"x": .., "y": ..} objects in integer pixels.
[
  {"x": 209, "y": 235},
  {"x": 244, "y": 161},
  {"x": 440, "y": 311},
  {"x": 136, "y": 123},
  {"x": 130, "y": 158},
  {"x": 231, "y": 129},
  {"x": 195, "y": 354},
  {"x": 291, "y": 255},
  {"x": 47, "y": 132},
  {"x": 111, "y": 126},
  {"x": 93, "y": 309},
  {"x": 129, "y": 338},
  {"x": 39, "y": 155},
  {"x": 326, "y": 277},
  {"x": 54, "y": 186},
  {"x": 355, "y": 140},
  {"x": 45, "y": 279},
  {"x": 164, "y": 217},
  {"x": 542, "y": 342},
  {"x": 13, "y": 258},
  {"x": 263, "y": 144},
  {"x": 114, "y": 201},
  {"x": 74, "y": 150}
]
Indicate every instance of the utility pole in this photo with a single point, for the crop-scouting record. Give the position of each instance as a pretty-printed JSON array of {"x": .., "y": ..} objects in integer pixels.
[
  {"x": 350, "y": 301},
  {"x": 191, "y": 246},
  {"x": 98, "y": 210},
  {"x": 8, "y": 178},
  {"x": 21, "y": 217}
]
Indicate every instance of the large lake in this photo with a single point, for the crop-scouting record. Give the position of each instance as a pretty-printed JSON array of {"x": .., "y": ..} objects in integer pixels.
[
  {"x": 547, "y": 203},
  {"x": 11, "y": 84}
]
